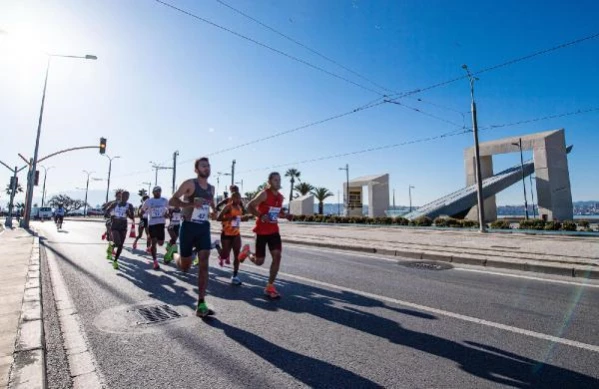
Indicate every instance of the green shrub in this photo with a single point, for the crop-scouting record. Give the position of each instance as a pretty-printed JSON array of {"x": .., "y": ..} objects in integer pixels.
[
  {"x": 584, "y": 224},
  {"x": 553, "y": 226},
  {"x": 569, "y": 225},
  {"x": 423, "y": 221},
  {"x": 401, "y": 221},
  {"x": 535, "y": 224},
  {"x": 440, "y": 222},
  {"x": 299, "y": 218},
  {"x": 469, "y": 223},
  {"x": 309, "y": 218},
  {"x": 501, "y": 225}
]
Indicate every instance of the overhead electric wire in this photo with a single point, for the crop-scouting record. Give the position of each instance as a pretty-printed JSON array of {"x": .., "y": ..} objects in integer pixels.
[
  {"x": 290, "y": 56},
  {"x": 423, "y": 140},
  {"x": 304, "y": 46},
  {"x": 426, "y": 113}
]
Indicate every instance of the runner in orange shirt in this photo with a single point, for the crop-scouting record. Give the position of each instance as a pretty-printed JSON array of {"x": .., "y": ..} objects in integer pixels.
[{"x": 231, "y": 216}]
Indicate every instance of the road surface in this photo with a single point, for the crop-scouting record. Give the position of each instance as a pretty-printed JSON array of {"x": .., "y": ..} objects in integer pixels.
[{"x": 345, "y": 320}]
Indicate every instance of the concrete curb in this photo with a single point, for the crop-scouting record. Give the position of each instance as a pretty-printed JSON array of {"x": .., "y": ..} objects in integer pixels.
[
  {"x": 578, "y": 271},
  {"x": 29, "y": 366}
]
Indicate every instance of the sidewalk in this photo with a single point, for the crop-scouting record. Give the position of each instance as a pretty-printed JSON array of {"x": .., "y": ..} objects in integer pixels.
[
  {"x": 563, "y": 255},
  {"x": 21, "y": 330}
]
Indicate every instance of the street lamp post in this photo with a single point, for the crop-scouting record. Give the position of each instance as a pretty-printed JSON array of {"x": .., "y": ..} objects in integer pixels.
[
  {"x": 479, "y": 180},
  {"x": 346, "y": 168},
  {"x": 44, "y": 187},
  {"x": 86, "y": 190},
  {"x": 109, "y": 172},
  {"x": 410, "y": 194},
  {"x": 29, "y": 196},
  {"x": 149, "y": 184},
  {"x": 519, "y": 144}
]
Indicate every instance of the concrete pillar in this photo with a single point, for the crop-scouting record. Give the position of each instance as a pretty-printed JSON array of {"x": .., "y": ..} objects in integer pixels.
[
  {"x": 486, "y": 170},
  {"x": 378, "y": 196},
  {"x": 554, "y": 195}
]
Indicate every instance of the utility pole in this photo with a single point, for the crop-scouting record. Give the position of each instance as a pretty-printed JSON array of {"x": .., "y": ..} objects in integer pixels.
[
  {"x": 233, "y": 173},
  {"x": 410, "y": 194},
  {"x": 157, "y": 167},
  {"x": 44, "y": 186},
  {"x": 479, "y": 181},
  {"x": 338, "y": 203},
  {"x": 394, "y": 199},
  {"x": 149, "y": 184},
  {"x": 532, "y": 195},
  {"x": 86, "y": 190},
  {"x": 519, "y": 144},
  {"x": 346, "y": 168},
  {"x": 109, "y": 172},
  {"x": 175, "y": 155}
]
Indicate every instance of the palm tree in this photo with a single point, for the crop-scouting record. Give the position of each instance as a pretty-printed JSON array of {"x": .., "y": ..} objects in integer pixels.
[
  {"x": 304, "y": 188},
  {"x": 292, "y": 174},
  {"x": 9, "y": 189},
  {"x": 321, "y": 195},
  {"x": 142, "y": 192}
]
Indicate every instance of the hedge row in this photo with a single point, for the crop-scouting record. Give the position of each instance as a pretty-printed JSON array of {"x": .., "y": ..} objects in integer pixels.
[{"x": 535, "y": 224}]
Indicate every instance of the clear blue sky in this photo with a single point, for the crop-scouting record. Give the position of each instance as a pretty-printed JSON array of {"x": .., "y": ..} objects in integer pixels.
[{"x": 166, "y": 82}]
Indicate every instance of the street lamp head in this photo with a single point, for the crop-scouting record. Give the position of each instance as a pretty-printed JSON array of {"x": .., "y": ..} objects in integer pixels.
[
  {"x": 465, "y": 67},
  {"x": 92, "y": 57}
]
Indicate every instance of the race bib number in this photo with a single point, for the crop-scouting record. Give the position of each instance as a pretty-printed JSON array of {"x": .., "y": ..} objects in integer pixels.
[
  {"x": 273, "y": 214},
  {"x": 235, "y": 223},
  {"x": 120, "y": 212},
  {"x": 176, "y": 218},
  {"x": 157, "y": 212},
  {"x": 200, "y": 215}
]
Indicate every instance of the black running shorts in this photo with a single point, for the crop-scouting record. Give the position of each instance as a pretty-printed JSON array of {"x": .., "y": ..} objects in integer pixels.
[
  {"x": 157, "y": 232},
  {"x": 273, "y": 241}
]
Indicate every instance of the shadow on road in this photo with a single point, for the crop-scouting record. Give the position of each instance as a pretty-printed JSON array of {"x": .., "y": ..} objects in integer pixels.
[{"x": 483, "y": 361}]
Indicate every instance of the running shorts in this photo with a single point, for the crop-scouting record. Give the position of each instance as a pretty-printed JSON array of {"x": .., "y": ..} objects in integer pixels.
[
  {"x": 273, "y": 241},
  {"x": 157, "y": 232},
  {"x": 194, "y": 235}
]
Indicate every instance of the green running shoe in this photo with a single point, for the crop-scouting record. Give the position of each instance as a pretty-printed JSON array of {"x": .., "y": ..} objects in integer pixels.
[
  {"x": 115, "y": 265},
  {"x": 109, "y": 256},
  {"x": 196, "y": 261},
  {"x": 110, "y": 248},
  {"x": 203, "y": 310}
]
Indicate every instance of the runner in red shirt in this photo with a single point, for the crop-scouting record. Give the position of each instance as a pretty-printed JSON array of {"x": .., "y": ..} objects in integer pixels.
[{"x": 268, "y": 208}]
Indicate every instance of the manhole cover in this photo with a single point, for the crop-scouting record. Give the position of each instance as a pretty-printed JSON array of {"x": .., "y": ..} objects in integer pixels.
[
  {"x": 156, "y": 314},
  {"x": 429, "y": 265}
]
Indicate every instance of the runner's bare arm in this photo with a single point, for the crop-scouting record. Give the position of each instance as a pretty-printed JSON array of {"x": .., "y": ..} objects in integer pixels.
[
  {"x": 253, "y": 205},
  {"x": 221, "y": 203},
  {"x": 222, "y": 214},
  {"x": 131, "y": 213},
  {"x": 187, "y": 188}
]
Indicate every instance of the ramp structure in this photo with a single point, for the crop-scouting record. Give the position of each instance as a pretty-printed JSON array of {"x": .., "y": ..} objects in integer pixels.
[{"x": 550, "y": 165}]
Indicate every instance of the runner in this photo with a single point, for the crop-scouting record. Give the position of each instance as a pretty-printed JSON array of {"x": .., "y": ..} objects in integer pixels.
[
  {"x": 231, "y": 217},
  {"x": 107, "y": 216},
  {"x": 267, "y": 207},
  {"x": 58, "y": 219},
  {"x": 198, "y": 198},
  {"x": 173, "y": 232},
  {"x": 143, "y": 225},
  {"x": 156, "y": 208},
  {"x": 225, "y": 257},
  {"x": 119, "y": 212}
]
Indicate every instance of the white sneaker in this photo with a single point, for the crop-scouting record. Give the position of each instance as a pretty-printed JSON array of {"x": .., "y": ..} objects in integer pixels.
[
  {"x": 215, "y": 244},
  {"x": 236, "y": 281}
]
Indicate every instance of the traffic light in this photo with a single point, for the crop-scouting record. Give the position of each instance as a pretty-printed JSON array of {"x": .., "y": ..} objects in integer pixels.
[
  {"x": 36, "y": 180},
  {"x": 102, "y": 145}
]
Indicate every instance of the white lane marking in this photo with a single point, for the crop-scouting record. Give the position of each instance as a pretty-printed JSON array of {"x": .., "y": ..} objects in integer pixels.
[
  {"x": 471, "y": 319},
  {"x": 82, "y": 364},
  {"x": 588, "y": 285},
  {"x": 455, "y": 267}
]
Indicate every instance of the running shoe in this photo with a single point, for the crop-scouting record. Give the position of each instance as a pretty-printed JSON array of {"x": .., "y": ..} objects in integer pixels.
[
  {"x": 271, "y": 292},
  {"x": 227, "y": 261},
  {"x": 104, "y": 236},
  {"x": 168, "y": 257},
  {"x": 110, "y": 248},
  {"x": 196, "y": 261},
  {"x": 115, "y": 265},
  {"x": 109, "y": 256},
  {"x": 156, "y": 266},
  {"x": 236, "y": 281},
  {"x": 203, "y": 310},
  {"x": 245, "y": 251},
  {"x": 215, "y": 245},
  {"x": 221, "y": 261}
]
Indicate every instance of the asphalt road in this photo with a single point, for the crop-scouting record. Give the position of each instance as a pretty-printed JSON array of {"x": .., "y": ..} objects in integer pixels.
[{"x": 346, "y": 320}]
